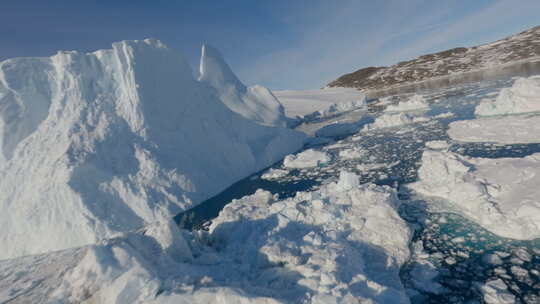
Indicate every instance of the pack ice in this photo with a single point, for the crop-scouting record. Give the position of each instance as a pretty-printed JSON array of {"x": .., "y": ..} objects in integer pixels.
[
  {"x": 501, "y": 194},
  {"x": 95, "y": 144},
  {"x": 344, "y": 243}
]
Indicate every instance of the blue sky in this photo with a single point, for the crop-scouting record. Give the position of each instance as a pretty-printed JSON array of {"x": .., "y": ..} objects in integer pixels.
[{"x": 279, "y": 44}]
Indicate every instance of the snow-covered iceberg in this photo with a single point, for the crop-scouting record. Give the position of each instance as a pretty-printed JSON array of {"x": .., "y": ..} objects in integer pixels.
[
  {"x": 514, "y": 129},
  {"x": 415, "y": 102},
  {"x": 344, "y": 243},
  {"x": 501, "y": 194},
  {"x": 522, "y": 97},
  {"x": 256, "y": 103},
  {"x": 94, "y": 144}
]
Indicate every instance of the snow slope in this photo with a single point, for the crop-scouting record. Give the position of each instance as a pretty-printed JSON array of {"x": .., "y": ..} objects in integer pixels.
[
  {"x": 95, "y": 144},
  {"x": 303, "y": 102},
  {"x": 522, "y": 97},
  {"x": 501, "y": 194},
  {"x": 256, "y": 103},
  {"x": 344, "y": 243}
]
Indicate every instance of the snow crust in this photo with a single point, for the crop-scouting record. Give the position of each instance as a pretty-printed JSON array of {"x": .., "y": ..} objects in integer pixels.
[
  {"x": 505, "y": 130},
  {"x": 502, "y": 194},
  {"x": 255, "y": 103},
  {"x": 344, "y": 243},
  {"x": 306, "y": 159},
  {"x": 304, "y": 102},
  {"x": 95, "y": 144},
  {"x": 522, "y": 97},
  {"x": 415, "y": 102},
  {"x": 393, "y": 120}
]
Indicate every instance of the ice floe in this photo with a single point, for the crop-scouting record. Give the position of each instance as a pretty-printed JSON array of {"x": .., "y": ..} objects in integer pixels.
[
  {"x": 513, "y": 129},
  {"x": 393, "y": 120},
  {"x": 306, "y": 159},
  {"x": 415, "y": 102},
  {"x": 499, "y": 194}
]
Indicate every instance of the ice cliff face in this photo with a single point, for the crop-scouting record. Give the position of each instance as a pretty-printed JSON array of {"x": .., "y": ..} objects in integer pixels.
[
  {"x": 95, "y": 144},
  {"x": 255, "y": 103}
]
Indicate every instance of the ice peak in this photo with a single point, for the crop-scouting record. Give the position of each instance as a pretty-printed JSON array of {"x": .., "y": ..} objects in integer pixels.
[{"x": 214, "y": 70}]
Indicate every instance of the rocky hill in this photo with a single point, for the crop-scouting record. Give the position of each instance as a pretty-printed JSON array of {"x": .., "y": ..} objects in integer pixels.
[{"x": 518, "y": 54}]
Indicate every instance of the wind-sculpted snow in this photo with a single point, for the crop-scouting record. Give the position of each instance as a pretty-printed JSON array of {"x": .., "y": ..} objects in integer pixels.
[
  {"x": 344, "y": 243},
  {"x": 499, "y": 194},
  {"x": 522, "y": 97},
  {"x": 256, "y": 103},
  {"x": 94, "y": 144}
]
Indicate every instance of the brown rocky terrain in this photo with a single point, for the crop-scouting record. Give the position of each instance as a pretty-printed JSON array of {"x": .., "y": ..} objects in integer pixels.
[{"x": 518, "y": 54}]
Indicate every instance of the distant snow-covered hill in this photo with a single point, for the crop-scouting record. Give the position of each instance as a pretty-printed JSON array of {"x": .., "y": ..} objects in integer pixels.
[{"x": 515, "y": 55}]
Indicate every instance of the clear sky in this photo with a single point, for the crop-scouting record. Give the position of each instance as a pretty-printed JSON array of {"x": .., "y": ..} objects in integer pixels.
[{"x": 279, "y": 44}]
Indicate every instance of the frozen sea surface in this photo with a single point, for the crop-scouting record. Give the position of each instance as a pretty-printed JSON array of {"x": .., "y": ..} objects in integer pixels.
[{"x": 454, "y": 260}]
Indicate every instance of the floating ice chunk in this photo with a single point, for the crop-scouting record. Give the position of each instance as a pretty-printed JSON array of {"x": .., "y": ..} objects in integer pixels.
[
  {"x": 522, "y": 97},
  {"x": 347, "y": 181},
  {"x": 306, "y": 159},
  {"x": 496, "y": 292},
  {"x": 393, "y": 120},
  {"x": 256, "y": 103},
  {"x": 353, "y": 153},
  {"x": 274, "y": 174},
  {"x": 499, "y": 194},
  {"x": 503, "y": 130},
  {"x": 416, "y": 102},
  {"x": 437, "y": 144},
  {"x": 444, "y": 115}
]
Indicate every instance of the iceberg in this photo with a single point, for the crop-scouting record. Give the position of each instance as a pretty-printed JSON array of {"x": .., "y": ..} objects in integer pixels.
[
  {"x": 344, "y": 243},
  {"x": 499, "y": 194},
  {"x": 255, "y": 103},
  {"x": 522, "y": 97},
  {"x": 96, "y": 144}
]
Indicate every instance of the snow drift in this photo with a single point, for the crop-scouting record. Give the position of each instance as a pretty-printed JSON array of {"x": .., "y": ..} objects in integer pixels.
[
  {"x": 499, "y": 194},
  {"x": 95, "y": 144},
  {"x": 344, "y": 243},
  {"x": 256, "y": 103},
  {"x": 522, "y": 97}
]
